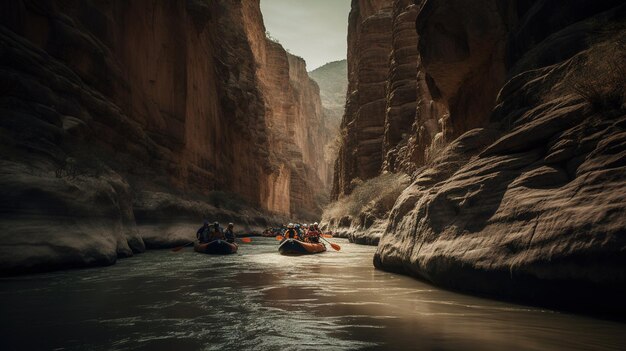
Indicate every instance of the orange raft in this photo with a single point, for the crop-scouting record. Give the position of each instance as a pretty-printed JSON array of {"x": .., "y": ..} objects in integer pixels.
[
  {"x": 216, "y": 247},
  {"x": 297, "y": 247}
]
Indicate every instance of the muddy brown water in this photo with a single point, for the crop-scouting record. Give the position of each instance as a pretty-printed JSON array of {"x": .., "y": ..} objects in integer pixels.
[{"x": 259, "y": 300}]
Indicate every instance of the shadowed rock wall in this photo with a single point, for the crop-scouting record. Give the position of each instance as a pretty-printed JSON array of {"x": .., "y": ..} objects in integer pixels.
[
  {"x": 369, "y": 44},
  {"x": 516, "y": 149},
  {"x": 532, "y": 205}
]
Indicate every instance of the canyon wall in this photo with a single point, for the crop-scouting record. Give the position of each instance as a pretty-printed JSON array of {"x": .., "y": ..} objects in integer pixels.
[
  {"x": 516, "y": 149},
  {"x": 294, "y": 122},
  {"x": 127, "y": 123},
  {"x": 369, "y": 44}
]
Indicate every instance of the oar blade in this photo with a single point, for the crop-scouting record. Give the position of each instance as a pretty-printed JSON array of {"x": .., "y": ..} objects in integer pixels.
[
  {"x": 279, "y": 237},
  {"x": 335, "y": 246},
  {"x": 246, "y": 240},
  {"x": 327, "y": 236}
]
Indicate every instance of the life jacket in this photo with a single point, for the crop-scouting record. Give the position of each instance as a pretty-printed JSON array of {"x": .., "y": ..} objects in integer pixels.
[
  {"x": 291, "y": 233},
  {"x": 230, "y": 236},
  {"x": 313, "y": 236},
  {"x": 203, "y": 234},
  {"x": 216, "y": 234}
]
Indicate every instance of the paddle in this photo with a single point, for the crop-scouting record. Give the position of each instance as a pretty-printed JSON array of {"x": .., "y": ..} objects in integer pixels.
[
  {"x": 181, "y": 247},
  {"x": 245, "y": 240},
  {"x": 333, "y": 245},
  {"x": 279, "y": 237},
  {"x": 327, "y": 235}
]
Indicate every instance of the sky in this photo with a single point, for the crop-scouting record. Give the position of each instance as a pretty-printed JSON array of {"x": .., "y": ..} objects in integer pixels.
[{"x": 315, "y": 30}]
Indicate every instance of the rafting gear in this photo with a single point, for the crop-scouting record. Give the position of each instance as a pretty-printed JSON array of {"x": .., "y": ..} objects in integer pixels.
[
  {"x": 297, "y": 247},
  {"x": 229, "y": 234},
  {"x": 291, "y": 233},
  {"x": 216, "y": 247},
  {"x": 203, "y": 233}
]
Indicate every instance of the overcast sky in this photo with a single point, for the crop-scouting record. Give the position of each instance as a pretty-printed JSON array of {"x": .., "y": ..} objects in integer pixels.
[{"x": 313, "y": 29}]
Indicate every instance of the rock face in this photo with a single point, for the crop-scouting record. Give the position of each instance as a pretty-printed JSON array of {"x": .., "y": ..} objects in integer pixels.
[
  {"x": 390, "y": 119},
  {"x": 369, "y": 44},
  {"x": 516, "y": 152},
  {"x": 533, "y": 206},
  {"x": 124, "y": 122}
]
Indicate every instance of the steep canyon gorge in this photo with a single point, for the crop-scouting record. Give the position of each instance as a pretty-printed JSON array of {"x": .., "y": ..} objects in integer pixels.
[
  {"x": 481, "y": 146},
  {"x": 508, "y": 118},
  {"x": 125, "y": 124}
]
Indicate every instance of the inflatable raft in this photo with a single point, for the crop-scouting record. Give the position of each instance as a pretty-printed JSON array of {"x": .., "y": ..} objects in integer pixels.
[
  {"x": 216, "y": 247},
  {"x": 297, "y": 247}
]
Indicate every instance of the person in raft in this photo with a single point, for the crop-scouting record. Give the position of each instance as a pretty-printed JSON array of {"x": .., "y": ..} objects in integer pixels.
[
  {"x": 217, "y": 233},
  {"x": 313, "y": 235},
  {"x": 203, "y": 233},
  {"x": 291, "y": 232},
  {"x": 230, "y": 234},
  {"x": 316, "y": 226}
]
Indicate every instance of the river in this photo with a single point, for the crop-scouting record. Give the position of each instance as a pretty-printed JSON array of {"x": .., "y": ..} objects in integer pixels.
[{"x": 259, "y": 300}]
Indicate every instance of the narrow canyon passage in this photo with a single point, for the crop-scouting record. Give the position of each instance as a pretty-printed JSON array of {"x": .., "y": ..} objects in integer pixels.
[
  {"x": 257, "y": 300},
  {"x": 401, "y": 175}
]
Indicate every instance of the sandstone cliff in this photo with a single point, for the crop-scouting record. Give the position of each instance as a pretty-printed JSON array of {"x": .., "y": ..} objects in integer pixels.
[
  {"x": 516, "y": 151},
  {"x": 295, "y": 125},
  {"x": 124, "y": 122}
]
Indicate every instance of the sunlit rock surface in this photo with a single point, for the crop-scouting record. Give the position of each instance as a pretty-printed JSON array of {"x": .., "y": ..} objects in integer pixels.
[{"x": 120, "y": 118}]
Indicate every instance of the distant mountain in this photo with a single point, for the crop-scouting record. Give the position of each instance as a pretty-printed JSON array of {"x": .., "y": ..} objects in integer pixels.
[{"x": 332, "y": 79}]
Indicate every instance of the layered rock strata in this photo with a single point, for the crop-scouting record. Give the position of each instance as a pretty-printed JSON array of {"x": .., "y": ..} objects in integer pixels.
[
  {"x": 533, "y": 205},
  {"x": 125, "y": 122},
  {"x": 516, "y": 152}
]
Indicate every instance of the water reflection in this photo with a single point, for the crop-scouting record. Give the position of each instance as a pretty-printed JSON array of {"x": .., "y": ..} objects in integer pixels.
[{"x": 259, "y": 300}]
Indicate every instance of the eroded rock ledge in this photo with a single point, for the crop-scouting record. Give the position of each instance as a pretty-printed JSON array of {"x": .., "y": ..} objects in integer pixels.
[{"x": 517, "y": 152}]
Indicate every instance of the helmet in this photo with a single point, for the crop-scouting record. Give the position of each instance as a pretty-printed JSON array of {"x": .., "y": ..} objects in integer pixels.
[
  {"x": 290, "y": 225},
  {"x": 231, "y": 225},
  {"x": 315, "y": 223},
  {"x": 206, "y": 222},
  {"x": 216, "y": 224}
]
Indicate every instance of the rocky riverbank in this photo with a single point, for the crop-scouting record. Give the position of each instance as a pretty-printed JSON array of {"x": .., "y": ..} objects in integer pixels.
[{"x": 516, "y": 154}]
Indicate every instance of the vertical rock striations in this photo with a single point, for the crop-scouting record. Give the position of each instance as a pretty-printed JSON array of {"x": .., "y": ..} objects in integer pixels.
[
  {"x": 402, "y": 85},
  {"x": 294, "y": 122},
  {"x": 369, "y": 44},
  {"x": 124, "y": 121}
]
